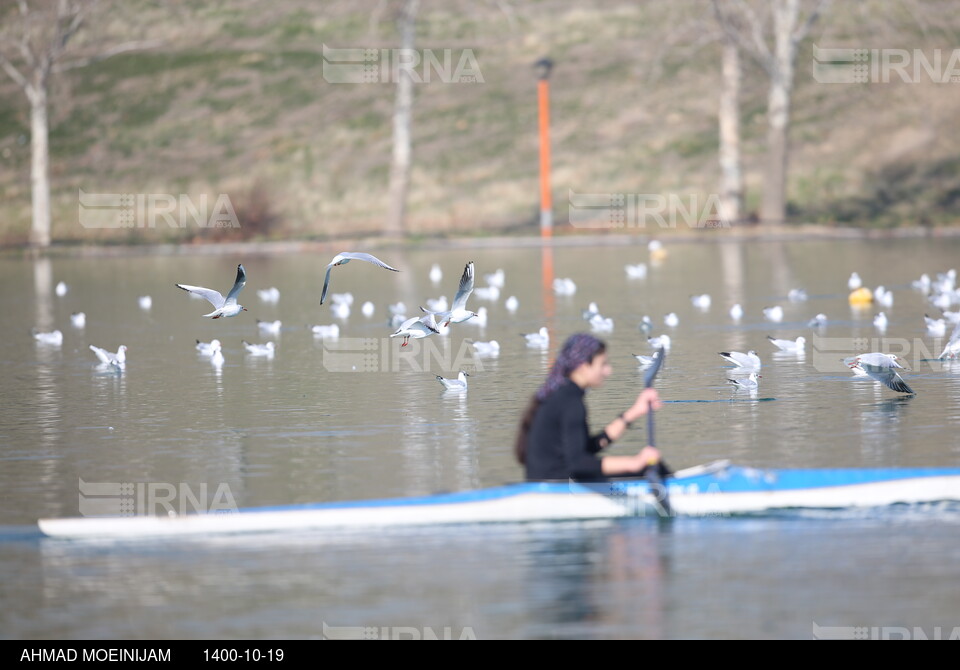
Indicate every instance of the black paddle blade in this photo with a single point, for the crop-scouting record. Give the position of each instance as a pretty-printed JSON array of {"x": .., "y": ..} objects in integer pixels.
[{"x": 652, "y": 371}]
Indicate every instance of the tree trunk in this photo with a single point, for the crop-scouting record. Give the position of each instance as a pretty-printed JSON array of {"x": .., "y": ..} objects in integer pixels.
[
  {"x": 731, "y": 178},
  {"x": 774, "y": 206},
  {"x": 39, "y": 167},
  {"x": 402, "y": 114}
]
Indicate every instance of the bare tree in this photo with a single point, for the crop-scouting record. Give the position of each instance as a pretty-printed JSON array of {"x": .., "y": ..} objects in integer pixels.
[
  {"x": 33, "y": 46},
  {"x": 731, "y": 174},
  {"x": 751, "y": 33},
  {"x": 402, "y": 116}
]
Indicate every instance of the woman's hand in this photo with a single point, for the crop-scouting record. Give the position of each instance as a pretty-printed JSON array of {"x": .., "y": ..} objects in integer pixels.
[
  {"x": 646, "y": 398},
  {"x": 647, "y": 456}
]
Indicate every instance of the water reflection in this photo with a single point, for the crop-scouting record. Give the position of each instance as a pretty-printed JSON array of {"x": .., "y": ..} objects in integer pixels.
[{"x": 612, "y": 580}]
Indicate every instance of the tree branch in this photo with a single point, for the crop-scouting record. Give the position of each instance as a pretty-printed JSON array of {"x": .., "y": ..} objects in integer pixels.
[
  {"x": 801, "y": 32},
  {"x": 14, "y": 73},
  {"x": 752, "y": 44}
]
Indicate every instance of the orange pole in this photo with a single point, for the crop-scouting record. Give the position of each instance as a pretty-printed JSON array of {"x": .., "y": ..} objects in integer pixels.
[{"x": 546, "y": 202}]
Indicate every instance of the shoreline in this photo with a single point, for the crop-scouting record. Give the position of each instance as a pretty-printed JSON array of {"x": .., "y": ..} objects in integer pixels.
[{"x": 744, "y": 233}]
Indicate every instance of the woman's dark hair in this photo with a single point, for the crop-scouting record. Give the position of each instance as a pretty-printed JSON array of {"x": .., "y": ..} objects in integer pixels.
[{"x": 578, "y": 349}]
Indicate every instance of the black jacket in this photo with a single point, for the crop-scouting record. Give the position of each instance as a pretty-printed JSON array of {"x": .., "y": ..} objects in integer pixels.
[{"x": 559, "y": 445}]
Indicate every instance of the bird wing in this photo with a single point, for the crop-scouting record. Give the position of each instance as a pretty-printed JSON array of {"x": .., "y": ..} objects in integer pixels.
[
  {"x": 238, "y": 285},
  {"x": 887, "y": 376},
  {"x": 954, "y": 338},
  {"x": 465, "y": 288},
  {"x": 326, "y": 283},
  {"x": 102, "y": 354},
  {"x": 370, "y": 258},
  {"x": 208, "y": 294}
]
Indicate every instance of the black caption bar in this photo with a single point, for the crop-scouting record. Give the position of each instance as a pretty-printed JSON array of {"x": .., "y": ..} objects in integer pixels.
[{"x": 159, "y": 651}]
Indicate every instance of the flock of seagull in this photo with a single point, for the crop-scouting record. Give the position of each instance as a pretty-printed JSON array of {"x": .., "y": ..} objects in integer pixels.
[{"x": 438, "y": 316}]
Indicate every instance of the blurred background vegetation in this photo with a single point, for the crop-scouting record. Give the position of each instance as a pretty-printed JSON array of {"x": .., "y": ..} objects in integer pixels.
[{"x": 233, "y": 101}]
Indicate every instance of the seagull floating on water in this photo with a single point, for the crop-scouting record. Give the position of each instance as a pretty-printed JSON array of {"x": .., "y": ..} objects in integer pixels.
[
  {"x": 791, "y": 346},
  {"x": 736, "y": 312},
  {"x": 743, "y": 360},
  {"x": 496, "y": 279},
  {"x": 774, "y": 313},
  {"x": 207, "y": 348},
  {"x": 272, "y": 327},
  {"x": 883, "y": 296},
  {"x": 367, "y": 309},
  {"x": 882, "y": 368},
  {"x": 267, "y": 349},
  {"x": 564, "y": 286},
  {"x": 671, "y": 320},
  {"x": 118, "y": 359},
  {"x": 796, "y": 295},
  {"x": 881, "y": 321},
  {"x": 601, "y": 324},
  {"x": 346, "y": 257},
  {"x": 489, "y": 349},
  {"x": 701, "y": 301},
  {"x": 646, "y": 324},
  {"x": 329, "y": 332},
  {"x": 661, "y": 342},
  {"x": 591, "y": 311},
  {"x": 751, "y": 383},
  {"x": 539, "y": 339},
  {"x": 62, "y": 289},
  {"x": 854, "y": 282},
  {"x": 216, "y": 358},
  {"x": 145, "y": 302},
  {"x": 224, "y": 307},
  {"x": 646, "y": 361},
  {"x": 53, "y": 337},
  {"x": 935, "y": 327},
  {"x": 436, "y": 274},
  {"x": 512, "y": 304},
  {"x": 819, "y": 321},
  {"x": 271, "y": 294},
  {"x": 458, "y": 384},
  {"x": 78, "y": 319},
  {"x": 638, "y": 271}
]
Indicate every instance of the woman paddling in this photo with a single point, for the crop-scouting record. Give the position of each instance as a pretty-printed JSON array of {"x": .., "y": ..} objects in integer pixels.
[{"x": 554, "y": 441}]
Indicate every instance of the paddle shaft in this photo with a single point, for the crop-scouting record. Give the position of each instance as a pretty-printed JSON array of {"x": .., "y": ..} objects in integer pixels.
[{"x": 653, "y": 470}]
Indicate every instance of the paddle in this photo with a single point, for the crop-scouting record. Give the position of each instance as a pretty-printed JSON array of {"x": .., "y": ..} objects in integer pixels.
[{"x": 657, "y": 486}]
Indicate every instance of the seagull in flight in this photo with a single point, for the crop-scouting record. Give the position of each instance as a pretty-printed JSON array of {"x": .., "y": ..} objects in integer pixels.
[
  {"x": 417, "y": 328},
  {"x": 225, "y": 307},
  {"x": 459, "y": 313},
  {"x": 346, "y": 257},
  {"x": 882, "y": 368},
  {"x": 747, "y": 360}
]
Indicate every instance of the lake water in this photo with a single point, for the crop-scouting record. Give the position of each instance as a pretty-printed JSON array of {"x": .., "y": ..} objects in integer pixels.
[{"x": 354, "y": 418}]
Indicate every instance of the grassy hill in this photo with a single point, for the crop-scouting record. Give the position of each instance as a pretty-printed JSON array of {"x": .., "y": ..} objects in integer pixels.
[{"x": 235, "y": 102}]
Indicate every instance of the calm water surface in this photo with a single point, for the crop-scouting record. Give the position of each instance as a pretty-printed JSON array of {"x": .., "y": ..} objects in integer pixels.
[{"x": 307, "y": 426}]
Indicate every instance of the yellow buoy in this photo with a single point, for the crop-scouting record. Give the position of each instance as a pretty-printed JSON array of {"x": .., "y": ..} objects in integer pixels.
[{"x": 861, "y": 297}]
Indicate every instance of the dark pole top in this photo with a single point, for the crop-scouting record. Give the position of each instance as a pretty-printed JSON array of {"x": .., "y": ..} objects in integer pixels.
[{"x": 543, "y": 67}]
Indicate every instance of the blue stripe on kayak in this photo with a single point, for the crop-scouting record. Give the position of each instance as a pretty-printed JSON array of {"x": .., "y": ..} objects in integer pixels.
[{"x": 732, "y": 479}]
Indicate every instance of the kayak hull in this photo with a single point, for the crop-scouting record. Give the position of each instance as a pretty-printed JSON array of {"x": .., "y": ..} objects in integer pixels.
[{"x": 711, "y": 490}]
